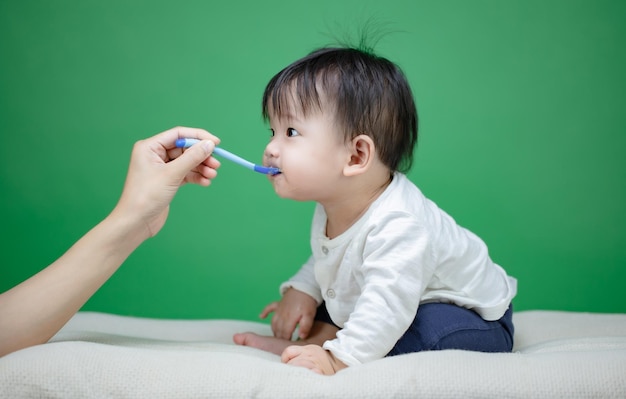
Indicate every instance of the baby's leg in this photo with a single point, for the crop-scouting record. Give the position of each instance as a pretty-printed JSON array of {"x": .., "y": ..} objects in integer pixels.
[
  {"x": 263, "y": 342},
  {"x": 439, "y": 326},
  {"x": 320, "y": 333}
]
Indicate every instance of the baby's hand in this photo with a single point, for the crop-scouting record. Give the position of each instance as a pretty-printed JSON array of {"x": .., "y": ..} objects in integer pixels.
[
  {"x": 295, "y": 308},
  {"x": 312, "y": 357}
]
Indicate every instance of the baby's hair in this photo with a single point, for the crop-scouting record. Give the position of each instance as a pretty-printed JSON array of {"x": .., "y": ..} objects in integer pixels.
[{"x": 366, "y": 94}]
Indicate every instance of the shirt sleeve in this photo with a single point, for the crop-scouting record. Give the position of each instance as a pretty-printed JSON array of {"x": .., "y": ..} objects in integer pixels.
[
  {"x": 304, "y": 281},
  {"x": 395, "y": 270}
]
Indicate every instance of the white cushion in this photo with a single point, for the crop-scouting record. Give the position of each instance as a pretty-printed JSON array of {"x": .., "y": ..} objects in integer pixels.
[{"x": 556, "y": 355}]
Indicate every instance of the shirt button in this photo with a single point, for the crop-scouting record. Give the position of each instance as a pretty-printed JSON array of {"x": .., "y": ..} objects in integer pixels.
[
  {"x": 325, "y": 250},
  {"x": 330, "y": 293}
]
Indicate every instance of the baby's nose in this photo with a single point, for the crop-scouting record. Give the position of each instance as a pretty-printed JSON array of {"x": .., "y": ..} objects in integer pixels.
[{"x": 271, "y": 151}]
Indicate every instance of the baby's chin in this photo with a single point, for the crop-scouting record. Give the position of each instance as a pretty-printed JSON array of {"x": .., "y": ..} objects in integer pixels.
[
  {"x": 286, "y": 191},
  {"x": 281, "y": 194},
  {"x": 277, "y": 189},
  {"x": 286, "y": 194}
]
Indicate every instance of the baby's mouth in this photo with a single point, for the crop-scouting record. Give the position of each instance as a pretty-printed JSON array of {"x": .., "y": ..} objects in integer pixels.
[{"x": 278, "y": 170}]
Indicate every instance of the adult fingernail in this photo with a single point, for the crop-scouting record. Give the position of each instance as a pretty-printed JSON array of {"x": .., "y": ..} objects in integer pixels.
[{"x": 208, "y": 146}]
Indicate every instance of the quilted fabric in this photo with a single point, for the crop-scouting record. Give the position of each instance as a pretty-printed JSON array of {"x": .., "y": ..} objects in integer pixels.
[{"x": 557, "y": 355}]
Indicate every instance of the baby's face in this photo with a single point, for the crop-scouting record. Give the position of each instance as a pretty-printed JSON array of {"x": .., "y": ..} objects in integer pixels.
[{"x": 310, "y": 153}]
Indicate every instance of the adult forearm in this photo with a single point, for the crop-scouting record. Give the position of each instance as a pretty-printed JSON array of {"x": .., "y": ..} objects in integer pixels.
[{"x": 33, "y": 311}]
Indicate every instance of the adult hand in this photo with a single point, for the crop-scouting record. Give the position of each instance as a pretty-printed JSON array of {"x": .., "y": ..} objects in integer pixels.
[
  {"x": 35, "y": 310},
  {"x": 158, "y": 169}
]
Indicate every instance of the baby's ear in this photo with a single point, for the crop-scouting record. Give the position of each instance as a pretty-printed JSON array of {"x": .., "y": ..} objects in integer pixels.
[{"x": 362, "y": 153}]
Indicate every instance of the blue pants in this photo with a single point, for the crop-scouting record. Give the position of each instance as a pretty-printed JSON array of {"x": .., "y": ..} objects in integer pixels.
[{"x": 439, "y": 326}]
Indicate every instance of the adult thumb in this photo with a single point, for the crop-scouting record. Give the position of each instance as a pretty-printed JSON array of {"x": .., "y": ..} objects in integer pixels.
[{"x": 192, "y": 157}]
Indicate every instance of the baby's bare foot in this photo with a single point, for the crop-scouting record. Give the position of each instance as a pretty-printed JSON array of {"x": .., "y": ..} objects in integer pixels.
[{"x": 268, "y": 344}]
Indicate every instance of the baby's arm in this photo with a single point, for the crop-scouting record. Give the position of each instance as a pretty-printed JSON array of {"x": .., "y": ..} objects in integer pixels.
[
  {"x": 392, "y": 277},
  {"x": 295, "y": 308}
]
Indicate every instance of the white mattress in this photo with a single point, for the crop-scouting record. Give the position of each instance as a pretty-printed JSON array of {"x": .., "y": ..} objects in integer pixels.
[{"x": 556, "y": 355}]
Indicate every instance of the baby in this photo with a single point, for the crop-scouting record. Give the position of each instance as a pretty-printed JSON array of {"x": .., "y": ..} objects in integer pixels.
[{"x": 390, "y": 272}]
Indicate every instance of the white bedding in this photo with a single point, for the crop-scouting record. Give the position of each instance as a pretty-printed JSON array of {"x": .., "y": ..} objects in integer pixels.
[{"x": 556, "y": 355}]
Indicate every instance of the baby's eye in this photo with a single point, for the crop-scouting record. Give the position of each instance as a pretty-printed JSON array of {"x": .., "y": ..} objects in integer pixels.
[
  {"x": 292, "y": 132},
  {"x": 272, "y": 131}
]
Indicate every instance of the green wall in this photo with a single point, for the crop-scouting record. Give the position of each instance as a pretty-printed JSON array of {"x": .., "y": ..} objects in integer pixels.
[{"x": 522, "y": 138}]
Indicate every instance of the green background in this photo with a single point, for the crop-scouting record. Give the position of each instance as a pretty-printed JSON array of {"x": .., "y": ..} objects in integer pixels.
[{"x": 522, "y": 138}]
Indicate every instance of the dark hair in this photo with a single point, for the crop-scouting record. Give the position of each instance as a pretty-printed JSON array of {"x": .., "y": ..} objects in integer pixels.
[{"x": 367, "y": 94}]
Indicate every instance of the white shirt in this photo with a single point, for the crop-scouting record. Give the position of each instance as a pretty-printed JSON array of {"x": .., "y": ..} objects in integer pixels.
[{"x": 402, "y": 252}]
